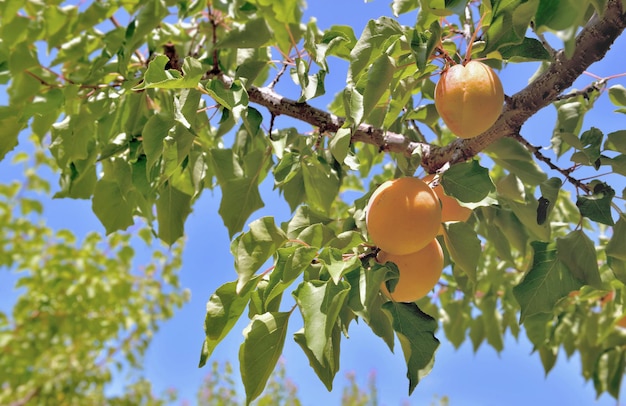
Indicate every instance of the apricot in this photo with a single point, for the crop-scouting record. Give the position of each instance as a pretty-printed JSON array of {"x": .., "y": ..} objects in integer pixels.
[
  {"x": 419, "y": 272},
  {"x": 451, "y": 210},
  {"x": 469, "y": 98},
  {"x": 403, "y": 215}
]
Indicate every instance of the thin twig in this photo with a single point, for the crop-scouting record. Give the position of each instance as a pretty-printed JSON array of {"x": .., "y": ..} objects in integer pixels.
[{"x": 565, "y": 172}]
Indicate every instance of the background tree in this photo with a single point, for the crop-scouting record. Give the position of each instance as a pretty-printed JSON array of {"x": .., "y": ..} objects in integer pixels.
[
  {"x": 85, "y": 310},
  {"x": 141, "y": 118}
]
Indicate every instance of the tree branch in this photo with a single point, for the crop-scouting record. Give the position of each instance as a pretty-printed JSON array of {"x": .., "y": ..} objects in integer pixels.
[{"x": 592, "y": 43}]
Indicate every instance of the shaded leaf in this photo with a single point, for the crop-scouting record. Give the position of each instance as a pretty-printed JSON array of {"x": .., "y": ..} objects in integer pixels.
[
  {"x": 264, "y": 339},
  {"x": 578, "y": 252},
  {"x": 416, "y": 333},
  {"x": 252, "y": 248},
  {"x": 547, "y": 281},
  {"x": 223, "y": 310},
  {"x": 468, "y": 182}
]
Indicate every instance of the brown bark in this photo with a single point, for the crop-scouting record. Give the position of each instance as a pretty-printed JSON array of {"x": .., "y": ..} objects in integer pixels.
[{"x": 592, "y": 43}]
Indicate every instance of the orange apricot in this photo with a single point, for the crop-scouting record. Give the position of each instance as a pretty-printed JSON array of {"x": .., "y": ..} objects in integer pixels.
[
  {"x": 419, "y": 272},
  {"x": 403, "y": 215},
  {"x": 469, "y": 98},
  {"x": 451, "y": 210}
]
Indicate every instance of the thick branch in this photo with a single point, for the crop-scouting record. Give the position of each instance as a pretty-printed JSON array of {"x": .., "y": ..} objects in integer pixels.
[{"x": 592, "y": 43}]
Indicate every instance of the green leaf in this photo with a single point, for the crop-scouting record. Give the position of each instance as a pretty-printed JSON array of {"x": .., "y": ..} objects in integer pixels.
[
  {"x": 463, "y": 246},
  {"x": 570, "y": 115},
  {"x": 153, "y": 135},
  {"x": 240, "y": 198},
  {"x": 416, "y": 333},
  {"x": 617, "y": 95},
  {"x": 615, "y": 246},
  {"x": 578, "y": 252},
  {"x": 456, "y": 323},
  {"x": 223, "y": 310},
  {"x": 549, "y": 193},
  {"x": 327, "y": 370},
  {"x": 511, "y": 155},
  {"x": 616, "y": 141},
  {"x": 321, "y": 184},
  {"x": 548, "y": 281},
  {"x": 111, "y": 206},
  {"x": 158, "y": 77},
  {"x": 424, "y": 43},
  {"x": 509, "y": 23},
  {"x": 468, "y": 182},
  {"x": 530, "y": 49},
  {"x": 597, "y": 207},
  {"x": 264, "y": 339},
  {"x": 379, "y": 77},
  {"x": 255, "y": 33},
  {"x": 335, "y": 263},
  {"x": 290, "y": 263},
  {"x": 366, "y": 301},
  {"x": 559, "y": 15},
  {"x": 11, "y": 128},
  {"x": 371, "y": 45},
  {"x": 609, "y": 371},
  {"x": 252, "y": 248},
  {"x": 340, "y": 144},
  {"x": 320, "y": 303},
  {"x": 173, "y": 207}
]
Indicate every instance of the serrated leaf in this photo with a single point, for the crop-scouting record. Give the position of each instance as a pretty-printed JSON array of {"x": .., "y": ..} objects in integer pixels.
[
  {"x": 617, "y": 95},
  {"x": 549, "y": 195},
  {"x": 240, "y": 198},
  {"x": 336, "y": 265},
  {"x": 157, "y": 76},
  {"x": 511, "y": 155},
  {"x": 416, "y": 333},
  {"x": 468, "y": 182},
  {"x": 290, "y": 263},
  {"x": 597, "y": 207},
  {"x": 616, "y": 141},
  {"x": 327, "y": 369},
  {"x": 456, "y": 323},
  {"x": 154, "y": 132},
  {"x": 379, "y": 77},
  {"x": 547, "y": 281},
  {"x": 366, "y": 302},
  {"x": 252, "y": 248},
  {"x": 578, "y": 252},
  {"x": 616, "y": 246},
  {"x": 464, "y": 247},
  {"x": 255, "y": 33},
  {"x": 111, "y": 206},
  {"x": 530, "y": 49},
  {"x": 264, "y": 339},
  {"x": 340, "y": 144},
  {"x": 370, "y": 45},
  {"x": 320, "y": 303},
  {"x": 173, "y": 207},
  {"x": 321, "y": 184},
  {"x": 223, "y": 310},
  {"x": 424, "y": 43}
]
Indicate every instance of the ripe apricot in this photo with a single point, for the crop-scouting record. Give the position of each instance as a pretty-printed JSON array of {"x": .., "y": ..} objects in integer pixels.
[
  {"x": 451, "y": 210},
  {"x": 469, "y": 98},
  {"x": 403, "y": 215},
  {"x": 419, "y": 272}
]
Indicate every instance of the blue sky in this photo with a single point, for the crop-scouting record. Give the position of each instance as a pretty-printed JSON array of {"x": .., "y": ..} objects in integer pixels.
[{"x": 514, "y": 377}]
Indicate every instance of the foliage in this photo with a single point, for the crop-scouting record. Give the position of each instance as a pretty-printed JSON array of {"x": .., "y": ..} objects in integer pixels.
[
  {"x": 142, "y": 117},
  {"x": 85, "y": 310}
]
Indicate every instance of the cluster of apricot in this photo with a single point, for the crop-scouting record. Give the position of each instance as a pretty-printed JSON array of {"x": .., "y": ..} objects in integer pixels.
[
  {"x": 469, "y": 98},
  {"x": 403, "y": 219}
]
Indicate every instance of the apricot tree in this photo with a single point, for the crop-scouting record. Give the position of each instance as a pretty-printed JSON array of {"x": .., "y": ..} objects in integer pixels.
[{"x": 144, "y": 105}]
